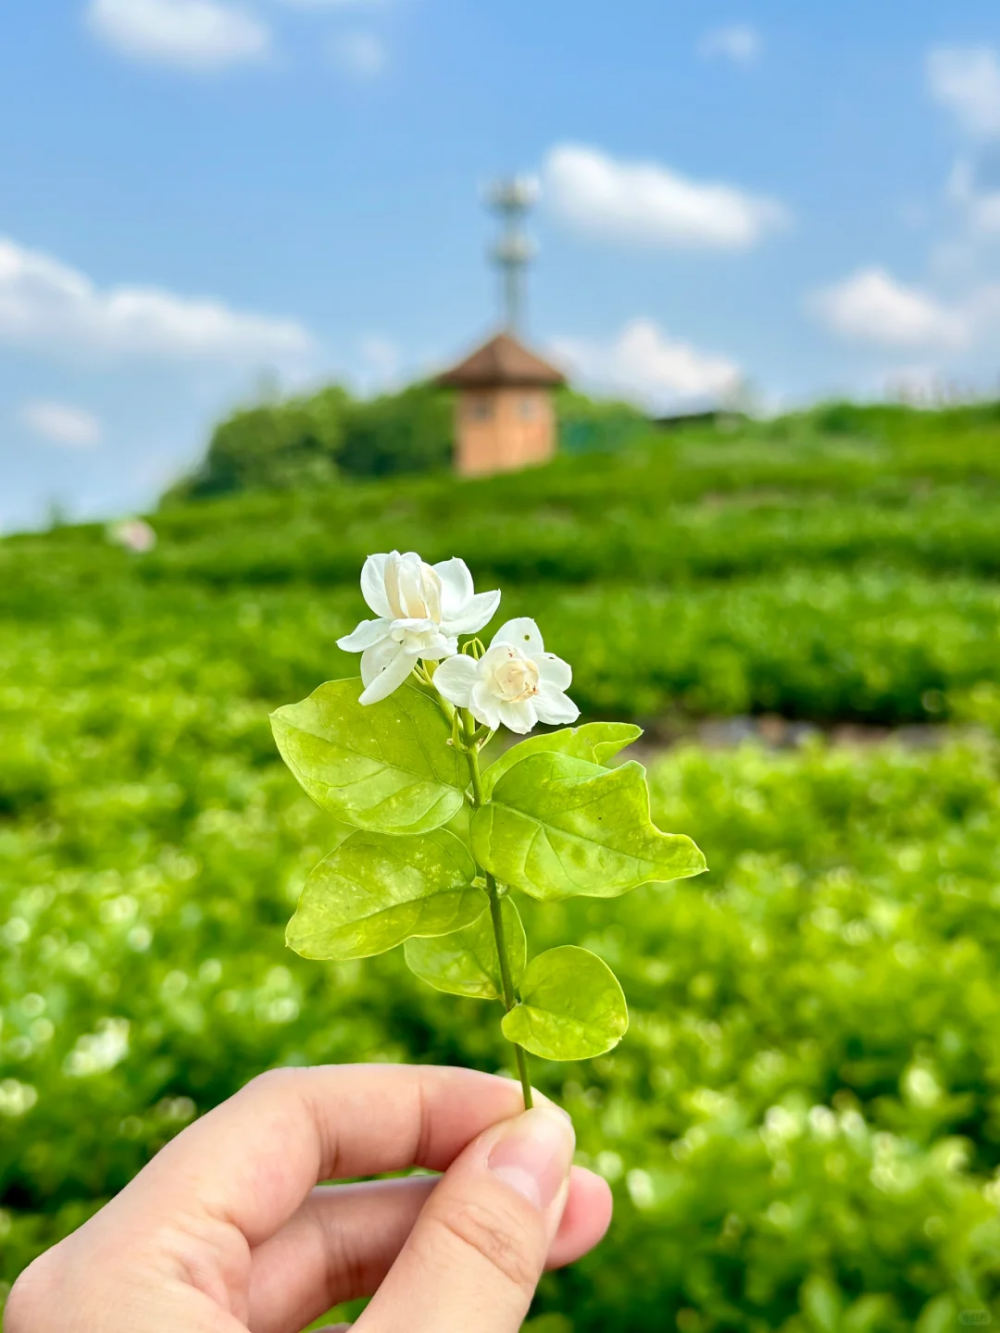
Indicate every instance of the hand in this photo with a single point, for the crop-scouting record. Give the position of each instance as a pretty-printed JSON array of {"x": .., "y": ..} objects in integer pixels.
[{"x": 226, "y": 1231}]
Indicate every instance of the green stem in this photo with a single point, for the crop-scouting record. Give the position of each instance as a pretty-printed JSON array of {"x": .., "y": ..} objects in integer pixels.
[
  {"x": 496, "y": 908},
  {"x": 509, "y": 996}
]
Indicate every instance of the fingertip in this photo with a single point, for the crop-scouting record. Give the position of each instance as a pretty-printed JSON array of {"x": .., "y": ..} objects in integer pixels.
[
  {"x": 540, "y": 1098},
  {"x": 585, "y": 1219},
  {"x": 488, "y": 1225},
  {"x": 593, "y": 1185}
]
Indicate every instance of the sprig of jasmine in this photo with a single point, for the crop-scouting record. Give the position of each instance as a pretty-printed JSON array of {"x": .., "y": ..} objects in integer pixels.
[{"x": 440, "y": 845}]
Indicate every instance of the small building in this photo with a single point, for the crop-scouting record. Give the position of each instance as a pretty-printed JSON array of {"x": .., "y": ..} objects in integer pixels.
[{"x": 504, "y": 414}]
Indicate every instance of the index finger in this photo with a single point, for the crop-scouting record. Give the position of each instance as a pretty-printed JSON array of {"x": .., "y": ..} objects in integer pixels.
[{"x": 253, "y": 1160}]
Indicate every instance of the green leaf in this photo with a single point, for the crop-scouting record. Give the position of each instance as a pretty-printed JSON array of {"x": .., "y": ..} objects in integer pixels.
[
  {"x": 383, "y": 766},
  {"x": 465, "y": 962},
  {"x": 572, "y": 1007},
  {"x": 597, "y": 742},
  {"x": 375, "y": 891},
  {"x": 557, "y": 827},
  {"x": 820, "y": 1300}
]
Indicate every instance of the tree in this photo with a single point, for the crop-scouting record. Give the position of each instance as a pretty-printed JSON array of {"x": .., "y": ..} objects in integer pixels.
[
  {"x": 409, "y": 431},
  {"x": 274, "y": 446}
]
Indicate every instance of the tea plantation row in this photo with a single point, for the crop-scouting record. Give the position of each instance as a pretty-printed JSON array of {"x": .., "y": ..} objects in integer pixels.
[
  {"x": 784, "y": 568},
  {"x": 802, "y": 1127},
  {"x": 873, "y": 645}
]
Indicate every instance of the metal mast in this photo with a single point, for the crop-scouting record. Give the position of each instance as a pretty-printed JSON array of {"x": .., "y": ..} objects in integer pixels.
[{"x": 511, "y": 199}]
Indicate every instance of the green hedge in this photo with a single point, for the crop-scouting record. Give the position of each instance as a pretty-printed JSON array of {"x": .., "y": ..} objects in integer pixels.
[
  {"x": 875, "y": 645},
  {"x": 307, "y": 441},
  {"x": 802, "y": 1127},
  {"x": 883, "y": 549}
]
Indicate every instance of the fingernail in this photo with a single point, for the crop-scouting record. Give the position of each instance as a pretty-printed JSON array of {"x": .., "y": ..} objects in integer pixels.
[{"x": 534, "y": 1154}]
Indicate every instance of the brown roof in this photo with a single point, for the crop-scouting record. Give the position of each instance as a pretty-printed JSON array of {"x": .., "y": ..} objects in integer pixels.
[{"x": 503, "y": 360}]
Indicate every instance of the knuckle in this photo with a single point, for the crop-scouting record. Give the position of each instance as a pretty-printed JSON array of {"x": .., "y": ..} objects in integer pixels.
[{"x": 500, "y": 1235}]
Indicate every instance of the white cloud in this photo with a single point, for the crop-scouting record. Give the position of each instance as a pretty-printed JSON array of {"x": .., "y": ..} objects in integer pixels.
[
  {"x": 644, "y": 363},
  {"x": 735, "y": 41},
  {"x": 648, "y": 204},
  {"x": 966, "y": 80},
  {"x": 199, "y": 35},
  {"x": 48, "y": 305},
  {"x": 871, "y": 306},
  {"x": 361, "y": 52},
  {"x": 73, "y": 427}
]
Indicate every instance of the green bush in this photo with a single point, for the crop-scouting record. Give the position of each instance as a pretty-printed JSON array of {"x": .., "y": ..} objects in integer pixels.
[
  {"x": 587, "y": 424},
  {"x": 304, "y": 442},
  {"x": 398, "y": 433},
  {"x": 802, "y": 1127},
  {"x": 869, "y": 645},
  {"x": 842, "y": 581},
  {"x": 700, "y": 505},
  {"x": 273, "y": 446}
]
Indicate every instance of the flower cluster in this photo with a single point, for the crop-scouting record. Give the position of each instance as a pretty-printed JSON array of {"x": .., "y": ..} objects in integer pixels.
[
  {"x": 555, "y": 818},
  {"x": 421, "y": 610}
]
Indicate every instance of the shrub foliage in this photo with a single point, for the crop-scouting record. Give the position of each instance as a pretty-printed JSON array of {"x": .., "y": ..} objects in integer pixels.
[{"x": 802, "y": 1124}]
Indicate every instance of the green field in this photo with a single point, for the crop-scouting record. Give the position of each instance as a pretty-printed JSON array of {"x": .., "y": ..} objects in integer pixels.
[{"x": 802, "y": 1126}]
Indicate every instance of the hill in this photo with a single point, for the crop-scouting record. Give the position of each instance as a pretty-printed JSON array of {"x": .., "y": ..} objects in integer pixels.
[
  {"x": 800, "y": 1127},
  {"x": 834, "y": 565}
]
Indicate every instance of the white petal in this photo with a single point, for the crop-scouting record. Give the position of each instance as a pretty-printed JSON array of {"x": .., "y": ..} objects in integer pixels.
[
  {"x": 367, "y": 635},
  {"x": 431, "y": 589},
  {"x": 552, "y": 706},
  {"x": 522, "y": 633},
  {"x": 373, "y": 584},
  {"x": 414, "y": 626},
  {"x": 389, "y": 678},
  {"x": 376, "y": 658},
  {"x": 455, "y": 679},
  {"x": 478, "y": 611},
  {"x": 391, "y": 576},
  {"x": 519, "y": 717},
  {"x": 441, "y": 648},
  {"x": 495, "y": 657},
  {"x": 424, "y": 639},
  {"x": 411, "y": 591},
  {"x": 554, "y": 671},
  {"x": 456, "y": 587},
  {"x": 484, "y": 705}
]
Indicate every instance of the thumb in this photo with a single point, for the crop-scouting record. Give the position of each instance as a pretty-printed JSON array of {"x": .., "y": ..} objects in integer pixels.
[{"x": 474, "y": 1257}]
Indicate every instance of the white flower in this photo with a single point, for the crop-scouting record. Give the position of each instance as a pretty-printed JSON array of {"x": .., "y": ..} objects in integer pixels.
[
  {"x": 421, "y": 610},
  {"x": 134, "y": 534},
  {"x": 516, "y": 682}
]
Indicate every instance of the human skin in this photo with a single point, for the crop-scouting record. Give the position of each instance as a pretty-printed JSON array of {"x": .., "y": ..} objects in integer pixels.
[{"x": 226, "y": 1230}]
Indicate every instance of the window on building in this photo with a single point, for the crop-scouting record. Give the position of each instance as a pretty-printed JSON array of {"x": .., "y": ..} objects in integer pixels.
[
  {"x": 480, "y": 409},
  {"x": 528, "y": 409}
]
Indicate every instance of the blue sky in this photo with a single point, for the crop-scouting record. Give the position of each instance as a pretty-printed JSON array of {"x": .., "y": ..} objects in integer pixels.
[{"x": 200, "y": 198}]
